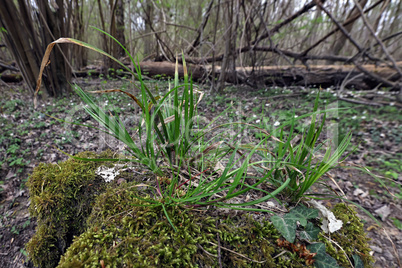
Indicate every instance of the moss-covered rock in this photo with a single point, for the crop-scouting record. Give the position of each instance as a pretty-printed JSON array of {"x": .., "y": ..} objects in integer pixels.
[
  {"x": 62, "y": 197},
  {"x": 121, "y": 226}
]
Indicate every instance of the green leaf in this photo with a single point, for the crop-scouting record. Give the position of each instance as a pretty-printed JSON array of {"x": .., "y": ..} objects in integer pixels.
[
  {"x": 286, "y": 226},
  {"x": 357, "y": 261},
  {"x": 322, "y": 259},
  {"x": 325, "y": 261},
  {"x": 318, "y": 248},
  {"x": 397, "y": 223},
  {"x": 303, "y": 214},
  {"x": 310, "y": 232}
]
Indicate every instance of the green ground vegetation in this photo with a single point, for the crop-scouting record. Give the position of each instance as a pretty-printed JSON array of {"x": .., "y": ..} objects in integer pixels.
[{"x": 113, "y": 225}]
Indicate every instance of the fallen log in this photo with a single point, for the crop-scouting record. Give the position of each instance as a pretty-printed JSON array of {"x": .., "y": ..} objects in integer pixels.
[
  {"x": 297, "y": 75},
  {"x": 161, "y": 69},
  {"x": 11, "y": 78},
  {"x": 318, "y": 75}
]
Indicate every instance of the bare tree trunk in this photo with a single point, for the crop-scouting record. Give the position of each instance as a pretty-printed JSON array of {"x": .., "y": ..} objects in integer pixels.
[
  {"x": 201, "y": 28},
  {"x": 26, "y": 37},
  {"x": 340, "y": 38},
  {"x": 225, "y": 62},
  {"x": 120, "y": 27},
  {"x": 214, "y": 44},
  {"x": 106, "y": 60},
  {"x": 80, "y": 55},
  {"x": 18, "y": 43},
  {"x": 148, "y": 39}
]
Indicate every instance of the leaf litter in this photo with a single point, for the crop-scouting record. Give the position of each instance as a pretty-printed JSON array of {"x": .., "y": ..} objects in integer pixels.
[{"x": 379, "y": 146}]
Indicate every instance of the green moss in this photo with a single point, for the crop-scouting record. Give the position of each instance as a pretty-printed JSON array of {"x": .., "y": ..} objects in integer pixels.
[
  {"x": 116, "y": 226},
  {"x": 126, "y": 232},
  {"x": 351, "y": 238},
  {"x": 61, "y": 197}
]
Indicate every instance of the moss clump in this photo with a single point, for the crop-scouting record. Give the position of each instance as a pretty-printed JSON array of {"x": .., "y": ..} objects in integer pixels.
[
  {"x": 126, "y": 232},
  {"x": 116, "y": 226},
  {"x": 61, "y": 198},
  {"x": 351, "y": 238}
]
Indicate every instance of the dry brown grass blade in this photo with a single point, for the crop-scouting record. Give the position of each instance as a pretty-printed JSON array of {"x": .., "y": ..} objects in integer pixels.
[
  {"x": 42, "y": 67},
  {"x": 63, "y": 40},
  {"x": 45, "y": 61}
]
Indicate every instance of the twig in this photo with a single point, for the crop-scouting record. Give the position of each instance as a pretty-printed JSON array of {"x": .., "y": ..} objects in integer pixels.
[
  {"x": 208, "y": 253},
  {"x": 347, "y": 80},
  {"x": 10, "y": 67},
  {"x": 200, "y": 29},
  {"x": 360, "y": 102},
  {"x": 337, "y": 185},
  {"x": 341, "y": 28},
  {"x": 280, "y": 254},
  {"x": 4, "y": 84},
  {"x": 384, "y": 49},
  {"x": 234, "y": 252},
  {"x": 295, "y": 15},
  {"x": 346, "y": 23},
  {"x": 344, "y": 252},
  {"x": 385, "y": 81},
  {"x": 287, "y": 95},
  {"x": 219, "y": 247},
  {"x": 393, "y": 246}
]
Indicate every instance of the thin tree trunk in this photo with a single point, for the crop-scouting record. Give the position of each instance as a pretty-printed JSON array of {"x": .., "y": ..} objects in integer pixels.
[
  {"x": 148, "y": 39},
  {"x": 27, "y": 37},
  {"x": 226, "y": 54},
  {"x": 201, "y": 28},
  {"x": 214, "y": 44},
  {"x": 79, "y": 52},
  {"x": 340, "y": 38},
  {"x": 120, "y": 27},
  {"x": 18, "y": 41}
]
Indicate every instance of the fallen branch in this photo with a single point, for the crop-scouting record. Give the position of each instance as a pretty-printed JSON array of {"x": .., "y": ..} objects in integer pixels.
[
  {"x": 370, "y": 103},
  {"x": 4, "y": 66}
]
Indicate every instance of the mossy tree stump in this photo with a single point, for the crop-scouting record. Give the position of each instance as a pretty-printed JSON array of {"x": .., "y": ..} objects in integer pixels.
[{"x": 85, "y": 222}]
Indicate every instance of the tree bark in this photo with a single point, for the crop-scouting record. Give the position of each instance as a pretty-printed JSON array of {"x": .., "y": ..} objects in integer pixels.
[
  {"x": 340, "y": 38},
  {"x": 26, "y": 37},
  {"x": 149, "y": 46},
  {"x": 120, "y": 27},
  {"x": 226, "y": 55},
  {"x": 80, "y": 53}
]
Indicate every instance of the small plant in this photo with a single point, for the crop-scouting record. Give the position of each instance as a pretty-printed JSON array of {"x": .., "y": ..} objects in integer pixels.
[
  {"x": 14, "y": 230},
  {"x": 167, "y": 134},
  {"x": 296, "y": 166},
  {"x": 26, "y": 224},
  {"x": 172, "y": 144},
  {"x": 397, "y": 223}
]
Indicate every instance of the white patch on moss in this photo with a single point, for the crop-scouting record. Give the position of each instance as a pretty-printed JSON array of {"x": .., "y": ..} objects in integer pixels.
[
  {"x": 108, "y": 174},
  {"x": 329, "y": 223}
]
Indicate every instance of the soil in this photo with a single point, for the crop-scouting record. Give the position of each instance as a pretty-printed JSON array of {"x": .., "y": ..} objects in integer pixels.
[{"x": 29, "y": 137}]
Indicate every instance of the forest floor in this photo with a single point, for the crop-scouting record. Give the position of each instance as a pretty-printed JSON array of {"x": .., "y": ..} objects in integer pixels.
[{"x": 29, "y": 136}]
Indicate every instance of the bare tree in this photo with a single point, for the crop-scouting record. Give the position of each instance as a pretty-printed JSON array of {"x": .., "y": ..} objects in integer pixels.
[
  {"x": 340, "y": 38},
  {"x": 28, "y": 31},
  {"x": 149, "y": 46},
  {"x": 80, "y": 55},
  {"x": 117, "y": 27}
]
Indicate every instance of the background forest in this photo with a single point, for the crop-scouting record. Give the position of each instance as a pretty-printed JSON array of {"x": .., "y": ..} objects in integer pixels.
[
  {"x": 227, "y": 41},
  {"x": 258, "y": 62}
]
